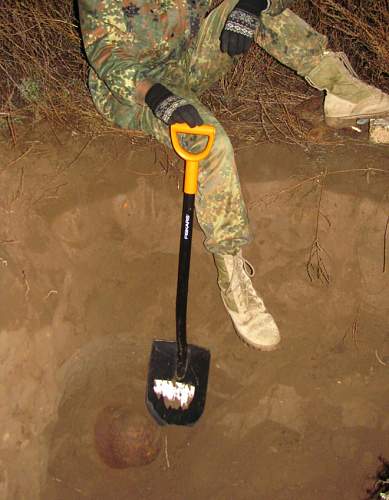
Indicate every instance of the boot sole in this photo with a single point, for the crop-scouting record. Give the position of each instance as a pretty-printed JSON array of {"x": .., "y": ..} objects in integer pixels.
[
  {"x": 265, "y": 348},
  {"x": 350, "y": 121}
]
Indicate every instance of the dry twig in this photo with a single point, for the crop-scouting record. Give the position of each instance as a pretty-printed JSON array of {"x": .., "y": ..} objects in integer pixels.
[
  {"x": 354, "y": 328},
  {"x": 12, "y": 162},
  {"x": 379, "y": 359},
  {"x": 385, "y": 240},
  {"x": 316, "y": 266}
]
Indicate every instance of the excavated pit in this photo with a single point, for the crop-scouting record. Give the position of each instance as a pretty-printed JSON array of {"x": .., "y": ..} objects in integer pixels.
[{"x": 88, "y": 262}]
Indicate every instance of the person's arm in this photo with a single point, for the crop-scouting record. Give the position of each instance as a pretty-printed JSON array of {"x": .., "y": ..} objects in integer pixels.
[
  {"x": 238, "y": 32},
  {"x": 111, "y": 51},
  {"x": 170, "y": 108}
]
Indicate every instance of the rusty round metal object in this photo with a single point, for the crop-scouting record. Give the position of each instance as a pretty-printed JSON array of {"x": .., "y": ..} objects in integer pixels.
[{"x": 124, "y": 439}]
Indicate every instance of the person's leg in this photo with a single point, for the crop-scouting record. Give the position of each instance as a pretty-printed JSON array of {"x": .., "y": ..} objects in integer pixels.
[
  {"x": 297, "y": 45},
  {"x": 110, "y": 108},
  {"x": 291, "y": 41},
  {"x": 220, "y": 208},
  {"x": 253, "y": 323},
  {"x": 222, "y": 216}
]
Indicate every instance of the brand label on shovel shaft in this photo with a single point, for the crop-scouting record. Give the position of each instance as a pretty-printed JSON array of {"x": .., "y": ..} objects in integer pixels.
[
  {"x": 175, "y": 394},
  {"x": 186, "y": 230}
]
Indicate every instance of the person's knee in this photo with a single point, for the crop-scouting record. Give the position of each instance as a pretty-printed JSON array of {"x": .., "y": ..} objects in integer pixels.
[
  {"x": 220, "y": 164},
  {"x": 222, "y": 147}
]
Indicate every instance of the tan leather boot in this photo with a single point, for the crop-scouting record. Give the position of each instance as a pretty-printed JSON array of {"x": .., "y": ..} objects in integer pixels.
[
  {"x": 252, "y": 322},
  {"x": 348, "y": 99}
]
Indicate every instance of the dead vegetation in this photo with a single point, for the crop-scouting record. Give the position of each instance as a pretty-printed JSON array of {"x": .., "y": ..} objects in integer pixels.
[
  {"x": 380, "y": 489},
  {"x": 358, "y": 27},
  {"x": 43, "y": 73}
]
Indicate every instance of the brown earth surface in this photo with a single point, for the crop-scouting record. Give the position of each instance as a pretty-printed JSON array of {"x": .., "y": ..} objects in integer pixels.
[{"x": 88, "y": 262}]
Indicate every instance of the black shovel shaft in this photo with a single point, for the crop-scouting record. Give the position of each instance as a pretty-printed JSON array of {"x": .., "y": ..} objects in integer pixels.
[{"x": 183, "y": 282}]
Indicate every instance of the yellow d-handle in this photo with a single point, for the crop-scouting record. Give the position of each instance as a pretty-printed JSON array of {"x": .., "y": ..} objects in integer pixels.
[{"x": 192, "y": 159}]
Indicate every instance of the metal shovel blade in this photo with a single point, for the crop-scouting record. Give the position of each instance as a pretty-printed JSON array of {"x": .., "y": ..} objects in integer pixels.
[{"x": 171, "y": 401}]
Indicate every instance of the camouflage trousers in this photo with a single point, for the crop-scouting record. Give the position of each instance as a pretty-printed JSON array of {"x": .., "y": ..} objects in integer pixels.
[{"x": 220, "y": 207}]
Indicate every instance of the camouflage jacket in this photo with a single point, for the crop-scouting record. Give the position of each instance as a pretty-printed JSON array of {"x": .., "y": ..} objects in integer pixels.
[{"x": 128, "y": 41}]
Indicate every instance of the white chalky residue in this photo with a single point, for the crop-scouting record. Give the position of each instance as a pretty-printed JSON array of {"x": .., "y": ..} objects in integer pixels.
[
  {"x": 379, "y": 130},
  {"x": 174, "y": 392}
]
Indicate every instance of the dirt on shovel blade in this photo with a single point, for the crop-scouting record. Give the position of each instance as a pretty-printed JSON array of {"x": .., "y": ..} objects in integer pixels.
[{"x": 170, "y": 401}]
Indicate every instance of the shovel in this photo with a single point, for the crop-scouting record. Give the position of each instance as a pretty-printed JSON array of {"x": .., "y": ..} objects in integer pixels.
[{"x": 178, "y": 372}]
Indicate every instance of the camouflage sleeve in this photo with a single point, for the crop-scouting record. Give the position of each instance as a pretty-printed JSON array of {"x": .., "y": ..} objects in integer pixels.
[
  {"x": 278, "y": 6},
  {"x": 112, "y": 50}
]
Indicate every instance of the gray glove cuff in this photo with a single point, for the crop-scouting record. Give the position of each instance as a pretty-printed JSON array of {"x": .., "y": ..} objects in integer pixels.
[
  {"x": 166, "y": 108},
  {"x": 242, "y": 22}
]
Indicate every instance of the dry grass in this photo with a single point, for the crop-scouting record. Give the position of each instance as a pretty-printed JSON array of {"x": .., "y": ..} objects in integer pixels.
[
  {"x": 43, "y": 71},
  {"x": 40, "y": 52},
  {"x": 358, "y": 27},
  {"x": 257, "y": 100}
]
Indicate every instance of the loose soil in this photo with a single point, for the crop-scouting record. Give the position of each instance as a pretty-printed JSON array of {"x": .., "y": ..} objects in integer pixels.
[{"x": 88, "y": 262}]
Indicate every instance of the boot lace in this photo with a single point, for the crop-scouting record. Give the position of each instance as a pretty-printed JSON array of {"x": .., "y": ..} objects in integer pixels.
[
  {"x": 346, "y": 61},
  {"x": 341, "y": 56},
  {"x": 241, "y": 287}
]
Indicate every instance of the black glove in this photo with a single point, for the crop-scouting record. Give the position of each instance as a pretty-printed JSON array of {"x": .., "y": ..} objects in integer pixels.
[
  {"x": 170, "y": 108},
  {"x": 238, "y": 32}
]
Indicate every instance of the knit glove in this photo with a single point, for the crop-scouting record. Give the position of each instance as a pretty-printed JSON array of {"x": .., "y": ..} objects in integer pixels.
[
  {"x": 241, "y": 24},
  {"x": 170, "y": 108}
]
